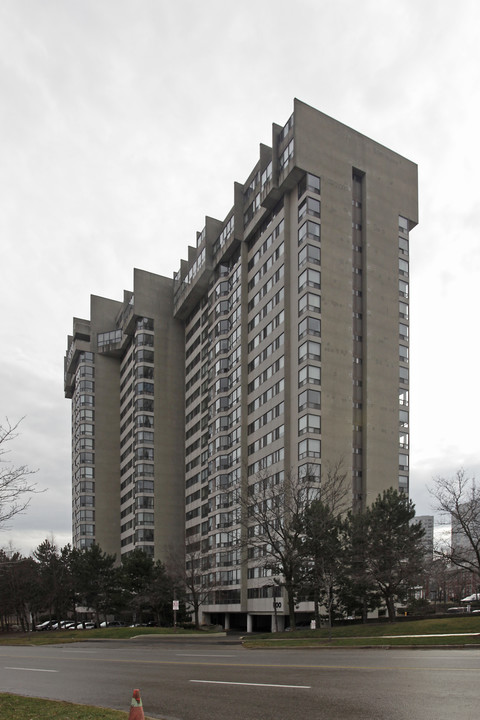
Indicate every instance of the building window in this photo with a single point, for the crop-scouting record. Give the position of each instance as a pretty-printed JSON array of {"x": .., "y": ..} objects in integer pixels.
[
  {"x": 309, "y": 182},
  {"x": 109, "y": 338},
  {"x": 144, "y": 405},
  {"x": 87, "y": 472},
  {"x": 86, "y": 444},
  {"x": 87, "y": 529},
  {"x": 144, "y": 469},
  {"x": 144, "y": 437},
  {"x": 309, "y": 230},
  {"x": 145, "y": 356},
  {"x": 402, "y": 267},
  {"x": 144, "y": 421},
  {"x": 403, "y": 375},
  {"x": 144, "y": 535},
  {"x": 143, "y": 453},
  {"x": 310, "y": 472},
  {"x": 403, "y": 245},
  {"x": 403, "y": 353},
  {"x": 310, "y": 206},
  {"x": 310, "y": 374},
  {"x": 144, "y": 323},
  {"x": 403, "y": 288},
  {"x": 309, "y": 253},
  {"x": 86, "y": 486},
  {"x": 403, "y": 310},
  {"x": 145, "y": 518},
  {"x": 309, "y": 302},
  {"x": 87, "y": 458},
  {"x": 222, "y": 308},
  {"x": 309, "y": 326},
  {"x": 309, "y": 278},
  {"x": 309, "y": 399},
  {"x": 403, "y": 418},
  {"x": 144, "y": 371},
  {"x": 309, "y": 424},
  {"x": 310, "y": 447},
  {"x": 144, "y": 388},
  {"x": 309, "y": 350},
  {"x": 222, "y": 327},
  {"x": 403, "y": 461},
  {"x": 86, "y": 429},
  {"x": 286, "y": 155}
]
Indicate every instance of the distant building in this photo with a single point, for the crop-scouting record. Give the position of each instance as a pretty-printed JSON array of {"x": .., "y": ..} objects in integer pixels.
[
  {"x": 428, "y": 524},
  {"x": 282, "y": 343}
]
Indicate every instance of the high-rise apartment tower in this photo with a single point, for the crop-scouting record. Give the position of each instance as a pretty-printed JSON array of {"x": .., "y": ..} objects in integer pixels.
[{"x": 280, "y": 345}]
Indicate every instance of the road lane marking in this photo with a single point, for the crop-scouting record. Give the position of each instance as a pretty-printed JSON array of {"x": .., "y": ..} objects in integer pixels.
[
  {"x": 31, "y": 669},
  {"x": 295, "y": 666},
  {"x": 225, "y": 682},
  {"x": 199, "y": 655}
]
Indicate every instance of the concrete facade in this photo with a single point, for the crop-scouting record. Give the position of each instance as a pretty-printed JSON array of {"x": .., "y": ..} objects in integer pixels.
[
  {"x": 126, "y": 384},
  {"x": 294, "y": 352}
]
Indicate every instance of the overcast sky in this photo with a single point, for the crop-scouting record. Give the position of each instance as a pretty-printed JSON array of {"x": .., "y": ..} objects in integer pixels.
[{"x": 124, "y": 122}]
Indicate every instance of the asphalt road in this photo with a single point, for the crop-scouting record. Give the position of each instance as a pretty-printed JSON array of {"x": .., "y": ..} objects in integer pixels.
[{"x": 216, "y": 679}]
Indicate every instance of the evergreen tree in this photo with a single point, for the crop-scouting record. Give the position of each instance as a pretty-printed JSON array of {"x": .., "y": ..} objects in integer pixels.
[
  {"x": 54, "y": 580},
  {"x": 98, "y": 579},
  {"x": 394, "y": 552},
  {"x": 137, "y": 580}
]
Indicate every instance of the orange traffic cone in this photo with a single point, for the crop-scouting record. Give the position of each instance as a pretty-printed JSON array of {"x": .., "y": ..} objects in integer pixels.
[{"x": 136, "y": 707}]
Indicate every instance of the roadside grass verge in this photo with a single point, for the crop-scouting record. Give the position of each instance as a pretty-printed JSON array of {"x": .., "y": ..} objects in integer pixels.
[
  {"x": 374, "y": 634},
  {"x": 18, "y": 707},
  {"x": 70, "y": 636}
]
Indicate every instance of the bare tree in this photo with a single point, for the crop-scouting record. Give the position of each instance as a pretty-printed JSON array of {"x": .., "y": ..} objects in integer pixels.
[
  {"x": 457, "y": 498},
  {"x": 324, "y": 542},
  {"x": 190, "y": 575},
  {"x": 15, "y": 487},
  {"x": 273, "y": 514}
]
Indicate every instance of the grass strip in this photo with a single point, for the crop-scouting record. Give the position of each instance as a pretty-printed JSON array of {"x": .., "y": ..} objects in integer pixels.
[
  {"x": 70, "y": 636},
  {"x": 18, "y": 707},
  {"x": 372, "y": 634}
]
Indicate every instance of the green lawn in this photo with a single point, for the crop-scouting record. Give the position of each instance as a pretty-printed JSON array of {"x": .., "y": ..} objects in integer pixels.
[
  {"x": 373, "y": 634},
  {"x": 69, "y": 636},
  {"x": 16, "y": 707},
  {"x": 354, "y": 635}
]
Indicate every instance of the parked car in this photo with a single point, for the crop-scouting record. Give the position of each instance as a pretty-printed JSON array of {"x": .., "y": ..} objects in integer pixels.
[
  {"x": 298, "y": 625},
  {"x": 47, "y": 625}
]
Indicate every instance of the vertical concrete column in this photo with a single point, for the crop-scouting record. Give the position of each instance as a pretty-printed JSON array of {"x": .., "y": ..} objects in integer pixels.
[
  {"x": 249, "y": 623},
  {"x": 226, "y": 623}
]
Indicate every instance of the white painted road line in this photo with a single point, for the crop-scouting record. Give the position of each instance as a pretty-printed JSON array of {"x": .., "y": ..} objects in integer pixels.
[
  {"x": 222, "y": 682},
  {"x": 197, "y": 655},
  {"x": 31, "y": 669}
]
